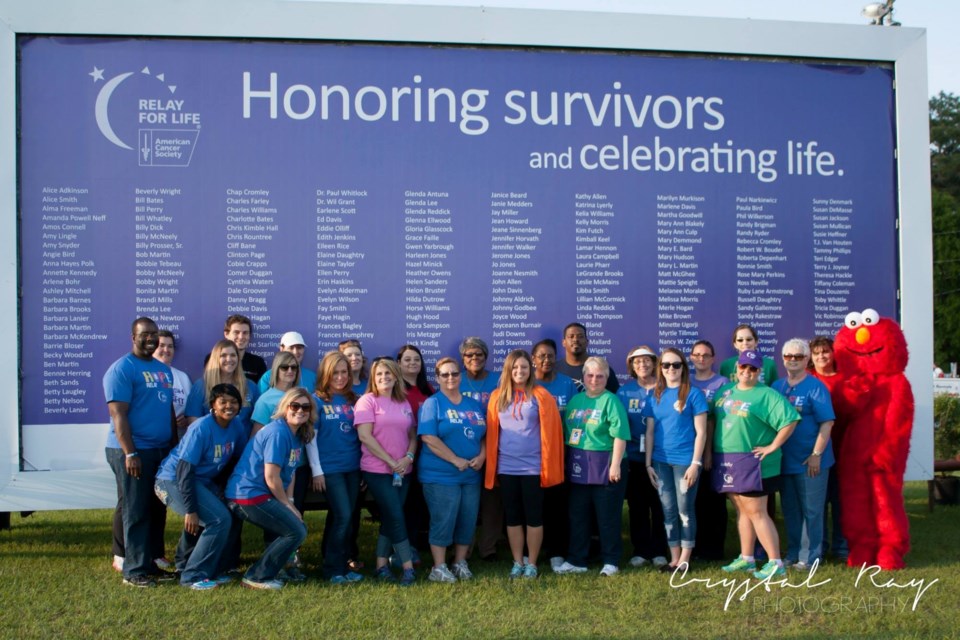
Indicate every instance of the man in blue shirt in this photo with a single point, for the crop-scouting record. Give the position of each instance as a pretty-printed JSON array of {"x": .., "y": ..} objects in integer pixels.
[{"x": 139, "y": 394}]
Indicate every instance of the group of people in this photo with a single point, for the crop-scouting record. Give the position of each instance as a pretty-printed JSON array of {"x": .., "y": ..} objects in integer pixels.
[{"x": 546, "y": 451}]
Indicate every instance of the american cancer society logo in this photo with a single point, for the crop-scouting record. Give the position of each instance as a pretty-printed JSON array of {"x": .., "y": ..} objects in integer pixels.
[{"x": 145, "y": 103}]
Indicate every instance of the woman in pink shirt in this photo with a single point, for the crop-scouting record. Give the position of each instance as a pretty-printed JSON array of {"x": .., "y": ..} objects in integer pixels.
[{"x": 388, "y": 444}]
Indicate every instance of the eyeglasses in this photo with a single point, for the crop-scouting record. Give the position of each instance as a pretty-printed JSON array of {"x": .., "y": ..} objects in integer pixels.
[
  {"x": 701, "y": 355},
  {"x": 473, "y": 355},
  {"x": 748, "y": 367},
  {"x": 297, "y": 407},
  {"x": 288, "y": 367},
  {"x": 545, "y": 356},
  {"x": 750, "y": 339},
  {"x": 448, "y": 374},
  {"x": 793, "y": 356},
  {"x": 671, "y": 365}
]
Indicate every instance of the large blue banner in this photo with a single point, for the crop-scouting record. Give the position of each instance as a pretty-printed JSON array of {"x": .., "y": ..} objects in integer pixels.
[{"x": 398, "y": 193}]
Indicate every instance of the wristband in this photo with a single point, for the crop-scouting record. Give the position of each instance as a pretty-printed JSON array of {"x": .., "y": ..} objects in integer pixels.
[
  {"x": 132, "y": 455},
  {"x": 410, "y": 455},
  {"x": 697, "y": 462},
  {"x": 817, "y": 454}
]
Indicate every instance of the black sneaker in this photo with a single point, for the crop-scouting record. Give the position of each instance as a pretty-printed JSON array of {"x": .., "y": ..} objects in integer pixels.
[
  {"x": 164, "y": 577},
  {"x": 291, "y": 575},
  {"x": 140, "y": 581}
]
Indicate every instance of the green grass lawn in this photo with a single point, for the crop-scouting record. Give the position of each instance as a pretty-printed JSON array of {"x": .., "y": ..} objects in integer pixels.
[{"x": 56, "y": 582}]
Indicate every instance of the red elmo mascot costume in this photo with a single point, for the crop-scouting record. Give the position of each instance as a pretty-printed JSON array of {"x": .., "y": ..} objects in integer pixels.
[{"x": 876, "y": 403}]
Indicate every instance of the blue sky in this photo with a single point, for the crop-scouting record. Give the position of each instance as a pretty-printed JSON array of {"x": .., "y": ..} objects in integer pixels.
[{"x": 939, "y": 17}]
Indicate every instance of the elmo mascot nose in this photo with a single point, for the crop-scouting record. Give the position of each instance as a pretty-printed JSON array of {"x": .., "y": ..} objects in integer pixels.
[{"x": 863, "y": 335}]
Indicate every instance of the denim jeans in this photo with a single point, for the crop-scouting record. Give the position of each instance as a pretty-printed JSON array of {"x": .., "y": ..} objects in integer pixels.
[
  {"x": 679, "y": 505},
  {"x": 802, "y": 498},
  {"x": 139, "y": 505},
  {"x": 277, "y": 518},
  {"x": 393, "y": 527},
  {"x": 646, "y": 515},
  {"x": 606, "y": 502},
  {"x": 836, "y": 542},
  {"x": 202, "y": 562},
  {"x": 453, "y": 512},
  {"x": 342, "y": 491}
]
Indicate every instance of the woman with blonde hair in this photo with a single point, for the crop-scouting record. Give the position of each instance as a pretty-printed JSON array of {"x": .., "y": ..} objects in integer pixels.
[
  {"x": 223, "y": 367},
  {"x": 388, "y": 446},
  {"x": 260, "y": 490},
  {"x": 524, "y": 455}
]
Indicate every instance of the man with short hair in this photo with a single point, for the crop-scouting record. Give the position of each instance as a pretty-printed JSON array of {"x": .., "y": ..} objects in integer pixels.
[
  {"x": 238, "y": 329},
  {"x": 139, "y": 394},
  {"x": 293, "y": 342},
  {"x": 575, "y": 354}
]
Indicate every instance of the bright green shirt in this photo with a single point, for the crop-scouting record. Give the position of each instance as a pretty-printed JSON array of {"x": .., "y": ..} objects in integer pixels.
[
  {"x": 592, "y": 424},
  {"x": 751, "y": 418}
]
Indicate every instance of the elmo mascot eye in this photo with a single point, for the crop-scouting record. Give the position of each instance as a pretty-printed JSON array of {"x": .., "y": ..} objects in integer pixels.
[{"x": 875, "y": 403}]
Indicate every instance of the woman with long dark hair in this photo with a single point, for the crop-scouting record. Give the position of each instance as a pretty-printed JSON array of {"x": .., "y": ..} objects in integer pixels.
[{"x": 676, "y": 415}]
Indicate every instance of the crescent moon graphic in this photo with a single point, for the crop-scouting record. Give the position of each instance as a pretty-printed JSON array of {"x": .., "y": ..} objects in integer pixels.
[{"x": 100, "y": 110}]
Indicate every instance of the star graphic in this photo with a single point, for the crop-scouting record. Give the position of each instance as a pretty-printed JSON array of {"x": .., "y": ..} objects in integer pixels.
[{"x": 96, "y": 74}]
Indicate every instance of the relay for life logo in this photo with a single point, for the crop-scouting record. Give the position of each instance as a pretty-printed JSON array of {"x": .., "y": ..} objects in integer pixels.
[{"x": 149, "y": 116}]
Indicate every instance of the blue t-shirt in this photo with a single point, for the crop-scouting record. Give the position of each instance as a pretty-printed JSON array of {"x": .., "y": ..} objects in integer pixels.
[
  {"x": 673, "y": 430},
  {"x": 197, "y": 406},
  {"x": 710, "y": 386},
  {"x": 479, "y": 390},
  {"x": 208, "y": 447},
  {"x": 147, "y": 388},
  {"x": 462, "y": 427},
  {"x": 562, "y": 388},
  {"x": 274, "y": 444},
  {"x": 266, "y": 404},
  {"x": 634, "y": 397},
  {"x": 812, "y": 401},
  {"x": 337, "y": 442},
  {"x": 308, "y": 380},
  {"x": 360, "y": 388}
]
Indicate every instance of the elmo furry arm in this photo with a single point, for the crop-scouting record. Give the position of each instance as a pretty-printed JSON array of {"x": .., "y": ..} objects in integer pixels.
[{"x": 894, "y": 437}]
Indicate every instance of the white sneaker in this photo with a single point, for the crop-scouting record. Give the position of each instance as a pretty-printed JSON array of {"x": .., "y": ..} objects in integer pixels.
[
  {"x": 441, "y": 573},
  {"x": 660, "y": 561},
  {"x": 638, "y": 561},
  {"x": 556, "y": 562},
  {"x": 462, "y": 571},
  {"x": 566, "y": 567},
  {"x": 163, "y": 564},
  {"x": 118, "y": 563},
  {"x": 798, "y": 566},
  {"x": 609, "y": 570}
]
